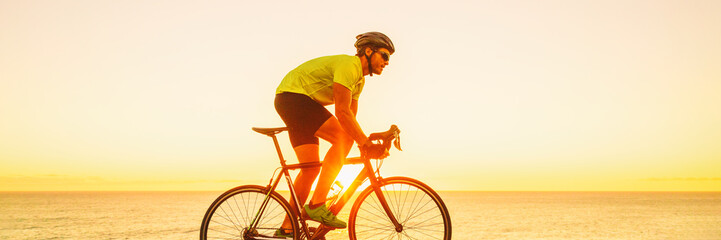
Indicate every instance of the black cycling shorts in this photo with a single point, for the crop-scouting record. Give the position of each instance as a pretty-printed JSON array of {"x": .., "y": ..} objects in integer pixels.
[{"x": 302, "y": 115}]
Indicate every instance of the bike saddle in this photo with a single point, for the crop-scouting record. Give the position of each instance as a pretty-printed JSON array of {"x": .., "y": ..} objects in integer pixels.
[{"x": 270, "y": 131}]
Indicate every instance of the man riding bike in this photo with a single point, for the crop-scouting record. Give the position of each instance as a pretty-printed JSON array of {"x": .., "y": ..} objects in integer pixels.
[{"x": 300, "y": 100}]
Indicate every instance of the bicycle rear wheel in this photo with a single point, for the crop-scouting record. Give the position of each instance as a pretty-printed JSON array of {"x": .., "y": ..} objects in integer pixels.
[
  {"x": 231, "y": 214},
  {"x": 414, "y": 204}
]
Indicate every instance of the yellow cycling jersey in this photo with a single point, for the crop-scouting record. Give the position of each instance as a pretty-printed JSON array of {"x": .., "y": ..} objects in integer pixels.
[{"x": 315, "y": 78}]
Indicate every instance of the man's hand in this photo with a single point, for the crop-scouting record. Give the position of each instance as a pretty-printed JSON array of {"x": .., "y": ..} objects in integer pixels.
[{"x": 374, "y": 151}]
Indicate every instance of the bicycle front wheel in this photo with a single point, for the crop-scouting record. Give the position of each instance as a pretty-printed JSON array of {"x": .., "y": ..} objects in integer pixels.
[
  {"x": 414, "y": 204},
  {"x": 233, "y": 212}
]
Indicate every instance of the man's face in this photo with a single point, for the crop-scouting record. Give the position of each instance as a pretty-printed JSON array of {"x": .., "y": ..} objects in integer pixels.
[{"x": 380, "y": 60}]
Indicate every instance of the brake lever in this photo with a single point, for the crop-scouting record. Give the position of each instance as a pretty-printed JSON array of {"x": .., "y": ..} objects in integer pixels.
[{"x": 397, "y": 140}]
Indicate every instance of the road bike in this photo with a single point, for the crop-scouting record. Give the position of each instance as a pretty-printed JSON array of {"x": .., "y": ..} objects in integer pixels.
[{"x": 389, "y": 208}]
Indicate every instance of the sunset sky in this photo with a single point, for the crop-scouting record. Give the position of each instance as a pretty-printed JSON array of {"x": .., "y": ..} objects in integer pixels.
[{"x": 490, "y": 95}]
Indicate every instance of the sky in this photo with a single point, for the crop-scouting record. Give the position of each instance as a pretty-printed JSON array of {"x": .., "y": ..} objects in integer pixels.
[{"x": 518, "y": 95}]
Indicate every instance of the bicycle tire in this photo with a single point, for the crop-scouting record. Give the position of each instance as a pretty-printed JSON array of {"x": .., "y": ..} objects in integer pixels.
[
  {"x": 230, "y": 215},
  {"x": 416, "y": 206}
]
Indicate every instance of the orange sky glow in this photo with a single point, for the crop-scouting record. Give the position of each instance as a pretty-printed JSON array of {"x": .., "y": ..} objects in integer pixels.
[{"x": 492, "y": 96}]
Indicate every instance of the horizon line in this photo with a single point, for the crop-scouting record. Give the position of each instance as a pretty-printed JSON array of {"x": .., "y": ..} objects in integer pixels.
[{"x": 528, "y": 191}]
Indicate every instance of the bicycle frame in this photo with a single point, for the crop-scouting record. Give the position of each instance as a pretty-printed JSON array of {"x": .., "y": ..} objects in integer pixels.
[{"x": 367, "y": 172}]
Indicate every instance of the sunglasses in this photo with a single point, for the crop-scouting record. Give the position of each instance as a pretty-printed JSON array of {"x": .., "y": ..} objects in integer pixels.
[{"x": 385, "y": 55}]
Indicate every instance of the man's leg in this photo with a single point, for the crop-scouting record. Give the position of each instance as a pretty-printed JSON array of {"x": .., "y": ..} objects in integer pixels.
[
  {"x": 306, "y": 153},
  {"x": 332, "y": 132}
]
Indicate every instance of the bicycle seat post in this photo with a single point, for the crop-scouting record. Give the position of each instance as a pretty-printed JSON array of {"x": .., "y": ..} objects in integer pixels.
[
  {"x": 277, "y": 149},
  {"x": 271, "y": 132}
]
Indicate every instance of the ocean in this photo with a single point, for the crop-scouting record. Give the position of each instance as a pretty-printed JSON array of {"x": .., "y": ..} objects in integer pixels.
[{"x": 475, "y": 215}]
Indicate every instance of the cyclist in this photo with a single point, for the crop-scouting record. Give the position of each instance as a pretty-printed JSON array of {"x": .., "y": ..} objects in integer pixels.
[{"x": 300, "y": 99}]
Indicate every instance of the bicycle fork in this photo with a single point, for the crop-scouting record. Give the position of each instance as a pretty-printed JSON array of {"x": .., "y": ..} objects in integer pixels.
[{"x": 376, "y": 185}]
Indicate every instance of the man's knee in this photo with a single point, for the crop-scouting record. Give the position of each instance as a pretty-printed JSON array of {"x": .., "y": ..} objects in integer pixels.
[
  {"x": 342, "y": 146},
  {"x": 333, "y": 132},
  {"x": 344, "y": 140}
]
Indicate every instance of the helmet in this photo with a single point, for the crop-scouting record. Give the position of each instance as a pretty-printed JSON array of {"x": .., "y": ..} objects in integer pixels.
[{"x": 374, "y": 39}]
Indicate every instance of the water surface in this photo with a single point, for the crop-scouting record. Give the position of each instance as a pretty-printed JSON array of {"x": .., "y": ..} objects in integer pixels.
[{"x": 475, "y": 215}]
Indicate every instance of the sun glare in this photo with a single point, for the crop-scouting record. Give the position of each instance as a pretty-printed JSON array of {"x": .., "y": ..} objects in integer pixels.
[{"x": 348, "y": 174}]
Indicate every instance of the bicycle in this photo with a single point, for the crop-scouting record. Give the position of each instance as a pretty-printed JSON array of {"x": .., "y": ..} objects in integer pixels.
[{"x": 389, "y": 208}]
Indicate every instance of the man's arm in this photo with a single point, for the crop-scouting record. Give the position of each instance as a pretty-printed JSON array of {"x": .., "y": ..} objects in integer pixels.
[
  {"x": 345, "y": 110},
  {"x": 354, "y": 107}
]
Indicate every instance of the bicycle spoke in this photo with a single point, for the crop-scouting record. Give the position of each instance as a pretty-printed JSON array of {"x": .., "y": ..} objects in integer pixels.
[
  {"x": 421, "y": 207},
  {"x": 239, "y": 212},
  {"x": 224, "y": 238},
  {"x": 424, "y": 230},
  {"x": 377, "y": 229},
  {"x": 245, "y": 207},
  {"x": 380, "y": 216},
  {"x": 249, "y": 211},
  {"x": 410, "y": 209},
  {"x": 380, "y": 223},
  {"x": 399, "y": 203},
  {"x": 390, "y": 199},
  {"x": 408, "y": 236},
  {"x": 221, "y": 238},
  {"x": 375, "y": 226},
  {"x": 429, "y": 218},
  {"x": 404, "y": 202},
  {"x": 390, "y": 203},
  {"x": 262, "y": 223},
  {"x": 376, "y": 217},
  {"x": 415, "y": 209},
  {"x": 246, "y": 217},
  {"x": 390, "y": 236},
  {"x": 394, "y": 205},
  {"x": 231, "y": 227},
  {"x": 226, "y": 233},
  {"x": 418, "y": 226},
  {"x": 423, "y": 233},
  {"x": 377, "y": 204},
  {"x": 384, "y": 192},
  {"x": 255, "y": 210},
  {"x": 378, "y": 207},
  {"x": 227, "y": 217}
]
